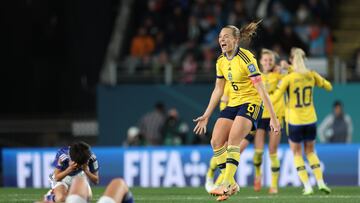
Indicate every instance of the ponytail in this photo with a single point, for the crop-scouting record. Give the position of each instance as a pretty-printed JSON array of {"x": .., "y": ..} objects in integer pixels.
[
  {"x": 248, "y": 31},
  {"x": 245, "y": 33},
  {"x": 298, "y": 60}
]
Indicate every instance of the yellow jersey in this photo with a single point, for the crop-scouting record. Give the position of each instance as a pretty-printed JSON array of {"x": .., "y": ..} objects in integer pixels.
[
  {"x": 223, "y": 103},
  {"x": 237, "y": 71},
  {"x": 290, "y": 69},
  {"x": 271, "y": 81},
  {"x": 299, "y": 88}
]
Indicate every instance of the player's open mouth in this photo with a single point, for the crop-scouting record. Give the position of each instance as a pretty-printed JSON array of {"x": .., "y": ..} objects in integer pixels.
[{"x": 223, "y": 46}]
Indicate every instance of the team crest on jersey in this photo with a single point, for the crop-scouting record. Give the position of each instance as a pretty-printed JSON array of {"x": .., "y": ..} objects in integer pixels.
[
  {"x": 230, "y": 76},
  {"x": 252, "y": 68}
]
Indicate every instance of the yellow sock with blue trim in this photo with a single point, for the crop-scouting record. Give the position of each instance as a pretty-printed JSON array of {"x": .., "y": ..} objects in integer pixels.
[
  {"x": 315, "y": 166},
  {"x": 232, "y": 162},
  {"x": 220, "y": 156},
  {"x": 301, "y": 170},
  {"x": 275, "y": 169},
  {"x": 212, "y": 168},
  {"x": 219, "y": 179},
  {"x": 257, "y": 160}
]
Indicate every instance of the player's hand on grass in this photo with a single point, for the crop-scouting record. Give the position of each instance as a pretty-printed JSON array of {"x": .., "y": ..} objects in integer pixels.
[
  {"x": 200, "y": 128},
  {"x": 275, "y": 126}
]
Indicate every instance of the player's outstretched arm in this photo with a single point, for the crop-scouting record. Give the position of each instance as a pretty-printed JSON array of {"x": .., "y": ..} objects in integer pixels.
[
  {"x": 322, "y": 82},
  {"x": 202, "y": 121}
]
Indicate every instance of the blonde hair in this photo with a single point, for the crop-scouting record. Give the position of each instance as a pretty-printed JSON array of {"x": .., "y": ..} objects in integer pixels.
[
  {"x": 298, "y": 56},
  {"x": 271, "y": 53},
  {"x": 268, "y": 51},
  {"x": 246, "y": 32}
]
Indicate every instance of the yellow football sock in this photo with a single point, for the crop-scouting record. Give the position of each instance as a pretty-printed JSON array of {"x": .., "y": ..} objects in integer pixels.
[
  {"x": 232, "y": 162},
  {"x": 257, "y": 160},
  {"x": 300, "y": 167},
  {"x": 315, "y": 166},
  {"x": 212, "y": 168},
  {"x": 275, "y": 169},
  {"x": 220, "y": 157},
  {"x": 219, "y": 179}
]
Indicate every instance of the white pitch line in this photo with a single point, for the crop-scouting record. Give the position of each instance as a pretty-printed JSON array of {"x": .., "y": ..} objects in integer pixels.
[
  {"x": 253, "y": 197},
  {"x": 174, "y": 198}
]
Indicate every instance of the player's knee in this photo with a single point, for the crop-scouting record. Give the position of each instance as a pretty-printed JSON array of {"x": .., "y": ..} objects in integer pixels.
[
  {"x": 214, "y": 143},
  {"x": 79, "y": 182},
  {"x": 60, "y": 197},
  {"x": 119, "y": 183}
]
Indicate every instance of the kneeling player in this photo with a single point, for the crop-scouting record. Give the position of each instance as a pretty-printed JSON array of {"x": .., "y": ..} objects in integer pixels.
[
  {"x": 72, "y": 161},
  {"x": 116, "y": 192}
]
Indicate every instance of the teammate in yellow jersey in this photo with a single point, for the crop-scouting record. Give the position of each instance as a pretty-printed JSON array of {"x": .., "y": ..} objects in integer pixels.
[
  {"x": 271, "y": 77},
  {"x": 301, "y": 117},
  {"x": 239, "y": 67}
]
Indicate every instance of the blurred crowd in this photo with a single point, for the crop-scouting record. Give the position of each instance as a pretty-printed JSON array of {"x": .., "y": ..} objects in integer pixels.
[
  {"x": 162, "y": 127},
  {"x": 184, "y": 33},
  {"x": 354, "y": 64}
]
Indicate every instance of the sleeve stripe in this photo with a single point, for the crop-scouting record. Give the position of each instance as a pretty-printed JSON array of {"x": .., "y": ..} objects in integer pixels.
[
  {"x": 242, "y": 53},
  {"x": 93, "y": 157},
  {"x": 256, "y": 74},
  {"x": 244, "y": 57},
  {"x": 220, "y": 77},
  {"x": 63, "y": 157}
]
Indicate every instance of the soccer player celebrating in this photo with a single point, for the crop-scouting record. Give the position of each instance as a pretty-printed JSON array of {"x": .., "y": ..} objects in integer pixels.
[
  {"x": 301, "y": 117},
  {"x": 239, "y": 67},
  {"x": 209, "y": 184},
  {"x": 71, "y": 161},
  {"x": 271, "y": 77}
]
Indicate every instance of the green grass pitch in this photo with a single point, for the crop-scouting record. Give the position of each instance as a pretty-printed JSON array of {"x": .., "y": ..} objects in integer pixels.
[{"x": 190, "y": 195}]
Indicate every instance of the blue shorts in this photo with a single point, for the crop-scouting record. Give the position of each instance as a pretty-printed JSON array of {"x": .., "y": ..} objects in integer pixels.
[
  {"x": 300, "y": 133},
  {"x": 250, "y": 111},
  {"x": 264, "y": 124}
]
